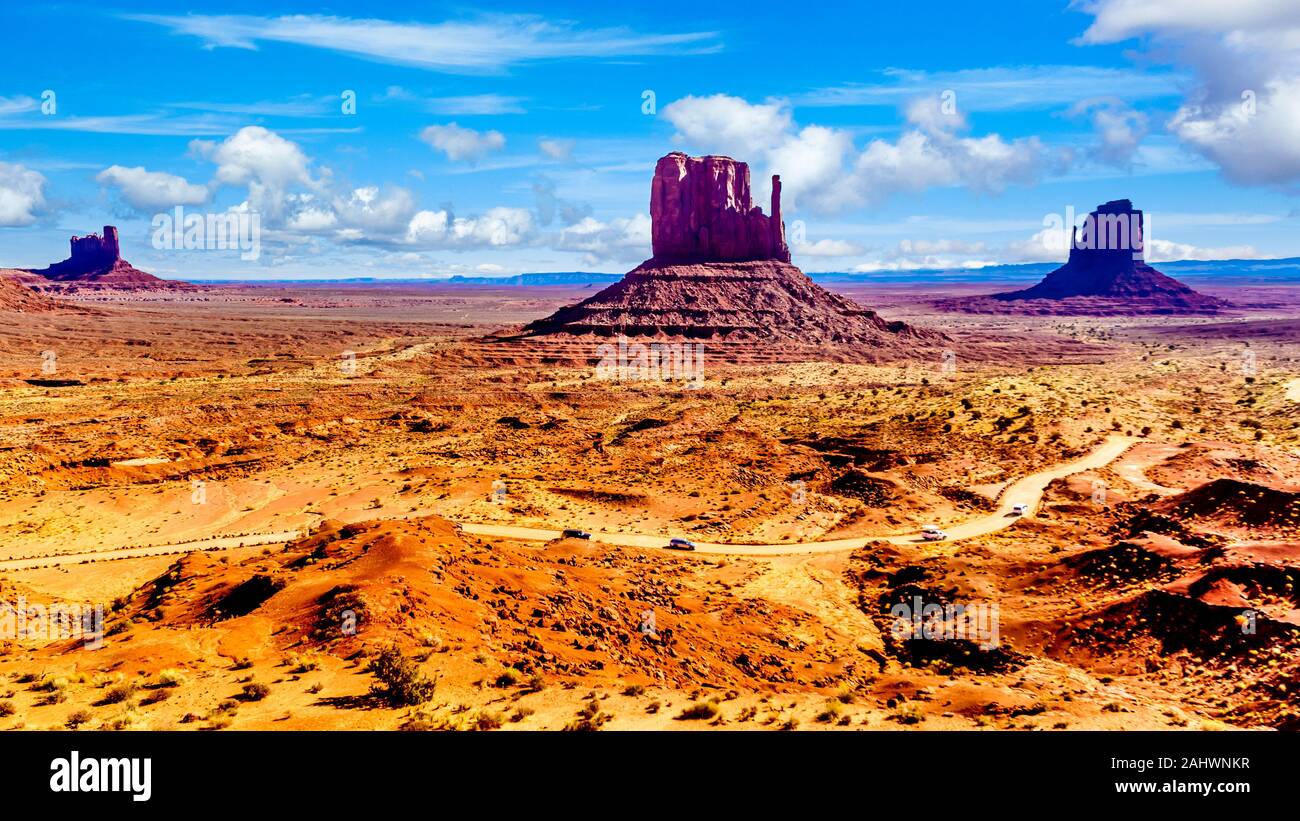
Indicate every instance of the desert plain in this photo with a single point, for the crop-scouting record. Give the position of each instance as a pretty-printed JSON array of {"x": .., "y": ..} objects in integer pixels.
[{"x": 267, "y": 488}]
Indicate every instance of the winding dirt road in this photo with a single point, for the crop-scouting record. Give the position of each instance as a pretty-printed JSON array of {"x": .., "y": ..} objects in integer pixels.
[{"x": 1027, "y": 490}]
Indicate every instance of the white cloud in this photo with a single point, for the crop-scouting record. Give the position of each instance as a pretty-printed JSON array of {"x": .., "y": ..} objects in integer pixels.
[
  {"x": 731, "y": 124},
  {"x": 1255, "y": 144},
  {"x": 152, "y": 190},
  {"x": 496, "y": 227},
  {"x": 1121, "y": 19},
  {"x": 1052, "y": 244},
  {"x": 617, "y": 240},
  {"x": 1119, "y": 128},
  {"x": 475, "y": 104},
  {"x": 561, "y": 150},
  {"x": 1159, "y": 250},
  {"x": 1001, "y": 88},
  {"x": 1245, "y": 113},
  {"x": 462, "y": 144},
  {"x": 826, "y": 248},
  {"x": 942, "y": 246},
  {"x": 823, "y": 170},
  {"x": 486, "y": 44},
  {"x": 468, "y": 104},
  {"x": 22, "y": 194},
  {"x": 264, "y": 161},
  {"x": 17, "y": 105},
  {"x": 376, "y": 211}
]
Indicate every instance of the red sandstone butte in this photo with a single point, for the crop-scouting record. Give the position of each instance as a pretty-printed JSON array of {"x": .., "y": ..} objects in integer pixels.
[
  {"x": 1106, "y": 274},
  {"x": 97, "y": 262},
  {"x": 721, "y": 270},
  {"x": 702, "y": 210}
]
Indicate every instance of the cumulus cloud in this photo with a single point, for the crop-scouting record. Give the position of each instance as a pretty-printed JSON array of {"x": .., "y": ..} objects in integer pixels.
[
  {"x": 22, "y": 194},
  {"x": 1244, "y": 113},
  {"x": 462, "y": 144},
  {"x": 1159, "y": 250},
  {"x": 824, "y": 170},
  {"x": 152, "y": 190},
  {"x": 731, "y": 124},
  {"x": 376, "y": 211},
  {"x": 617, "y": 240},
  {"x": 264, "y": 161},
  {"x": 496, "y": 227},
  {"x": 826, "y": 248}
]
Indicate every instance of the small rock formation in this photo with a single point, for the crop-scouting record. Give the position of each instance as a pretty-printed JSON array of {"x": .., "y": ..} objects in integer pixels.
[
  {"x": 1106, "y": 273},
  {"x": 701, "y": 210},
  {"x": 721, "y": 270},
  {"x": 97, "y": 262}
]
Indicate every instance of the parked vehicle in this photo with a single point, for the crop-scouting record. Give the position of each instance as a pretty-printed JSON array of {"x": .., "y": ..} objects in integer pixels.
[
  {"x": 575, "y": 534},
  {"x": 680, "y": 544},
  {"x": 932, "y": 533}
]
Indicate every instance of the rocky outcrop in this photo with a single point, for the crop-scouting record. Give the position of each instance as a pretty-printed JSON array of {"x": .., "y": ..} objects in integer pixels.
[
  {"x": 761, "y": 299},
  {"x": 702, "y": 210},
  {"x": 1106, "y": 273},
  {"x": 721, "y": 271},
  {"x": 96, "y": 262},
  {"x": 15, "y": 296}
]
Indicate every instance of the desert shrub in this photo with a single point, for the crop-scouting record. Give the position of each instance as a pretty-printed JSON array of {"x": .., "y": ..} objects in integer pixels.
[
  {"x": 520, "y": 714},
  {"x": 300, "y": 663},
  {"x": 171, "y": 677},
  {"x": 7, "y": 708},
  {"x": 831, "y": 713},
  {"x": 699, "y": 711},
  {"x": 400, "y": 681},
  {"x": 77, "y": 718},
  {"x": 508, "y": 677},
  {"x": 255, "y": 691},
  {"x": 119, "y": 693},
  {"x": 589, "y": 718}
]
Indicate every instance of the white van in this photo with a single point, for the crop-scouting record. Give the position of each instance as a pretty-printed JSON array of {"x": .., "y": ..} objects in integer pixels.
[
  {"x": 932, "y": 533},
  {"x": 1020, "y": 509}
]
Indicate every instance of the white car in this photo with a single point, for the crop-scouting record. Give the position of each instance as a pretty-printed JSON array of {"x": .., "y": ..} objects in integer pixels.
[
  {"x": 931, "y": 533},
  {"x": 1020, "y": 509}
]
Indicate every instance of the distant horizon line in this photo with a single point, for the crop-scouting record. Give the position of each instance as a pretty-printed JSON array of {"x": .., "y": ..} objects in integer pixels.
[{"x": 967, "y": 273}]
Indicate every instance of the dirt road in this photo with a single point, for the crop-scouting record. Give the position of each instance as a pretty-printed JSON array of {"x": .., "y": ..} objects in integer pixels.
[{"x": 1027, "y": 490}]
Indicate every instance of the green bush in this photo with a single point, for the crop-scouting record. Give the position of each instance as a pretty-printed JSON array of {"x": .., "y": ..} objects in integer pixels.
[{"x": 400, "y": 681}]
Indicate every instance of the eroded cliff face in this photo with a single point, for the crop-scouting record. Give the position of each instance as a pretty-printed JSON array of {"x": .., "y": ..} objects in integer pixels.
[
  {"x": 721, "y": 271},
  {"x": 702, "y": 210}
]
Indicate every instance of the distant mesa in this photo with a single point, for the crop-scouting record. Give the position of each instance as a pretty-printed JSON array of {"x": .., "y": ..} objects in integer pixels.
[
  {"x": 721, "y": 270},
  {"x": 1106, "y": 273},
  {"x": 96, "y": 262}
]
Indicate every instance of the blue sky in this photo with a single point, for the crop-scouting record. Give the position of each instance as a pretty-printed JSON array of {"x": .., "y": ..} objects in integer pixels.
[{"x": 515, "y": 138}]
